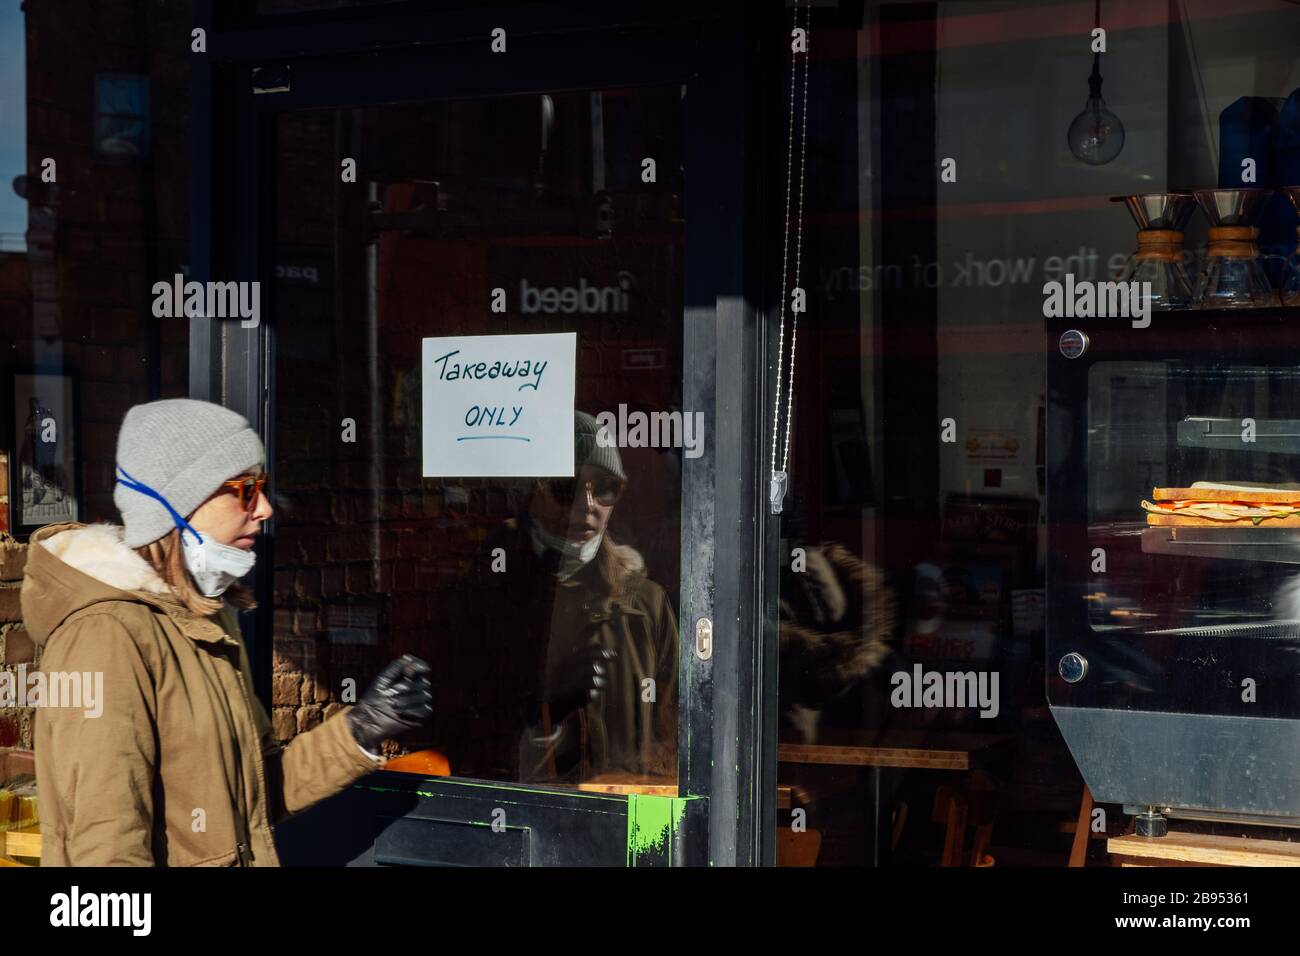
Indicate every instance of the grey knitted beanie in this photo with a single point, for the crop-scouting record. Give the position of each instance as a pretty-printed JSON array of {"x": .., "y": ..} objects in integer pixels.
[
  {"x": 183, "y": 449},
  {"x": 588, "y": 451}
]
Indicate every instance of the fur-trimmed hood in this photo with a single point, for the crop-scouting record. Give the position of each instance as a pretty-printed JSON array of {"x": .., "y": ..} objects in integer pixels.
[
  {"x": 71, "y": 566},
  {"x": 837, "y": 625}
]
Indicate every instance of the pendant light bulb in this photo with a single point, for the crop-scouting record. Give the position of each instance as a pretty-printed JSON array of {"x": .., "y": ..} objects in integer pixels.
[{"x": 1096, "y": 136}]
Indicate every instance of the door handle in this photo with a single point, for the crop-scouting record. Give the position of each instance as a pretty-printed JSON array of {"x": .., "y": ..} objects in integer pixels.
[{"x": 704, "y": 638}]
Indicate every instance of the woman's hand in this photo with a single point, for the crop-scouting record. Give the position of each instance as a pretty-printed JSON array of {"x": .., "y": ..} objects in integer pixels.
[
  {"x": 399, "y": 700},
  {"x": 582, "y": 678}
]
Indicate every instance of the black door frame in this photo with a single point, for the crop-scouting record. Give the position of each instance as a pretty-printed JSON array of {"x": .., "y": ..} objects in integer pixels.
[{"x": 727, "y": 703}]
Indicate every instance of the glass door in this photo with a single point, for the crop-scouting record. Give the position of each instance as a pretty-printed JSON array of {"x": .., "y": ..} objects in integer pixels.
[
  {"x": 547, "y": 607},
  {"x": 406, "y": 227}
]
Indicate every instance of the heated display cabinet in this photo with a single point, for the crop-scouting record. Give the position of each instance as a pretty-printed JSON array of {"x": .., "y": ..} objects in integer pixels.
[{"x": 1174, "y": 652}]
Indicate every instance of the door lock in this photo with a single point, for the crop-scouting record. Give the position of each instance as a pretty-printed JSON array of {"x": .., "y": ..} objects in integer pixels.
[{"x": 704, "y": 638}]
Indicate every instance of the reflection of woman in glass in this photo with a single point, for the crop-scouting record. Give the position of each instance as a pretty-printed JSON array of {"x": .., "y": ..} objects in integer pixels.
[{"x": 601, "y": 637}]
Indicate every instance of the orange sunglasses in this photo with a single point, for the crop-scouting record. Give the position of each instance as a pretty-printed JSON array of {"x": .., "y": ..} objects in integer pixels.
[{"x": 247, "y": 489}]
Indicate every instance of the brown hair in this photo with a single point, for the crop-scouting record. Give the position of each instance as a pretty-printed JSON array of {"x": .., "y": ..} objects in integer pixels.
[
  {"x": 168, "y": 559},
  {"x": 616, "y": 572}
]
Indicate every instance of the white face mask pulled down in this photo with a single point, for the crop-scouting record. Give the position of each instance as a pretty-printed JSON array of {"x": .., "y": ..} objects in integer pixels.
[
  {"x": 215, "y": 566},
  {"x": 574, "y": 555}
]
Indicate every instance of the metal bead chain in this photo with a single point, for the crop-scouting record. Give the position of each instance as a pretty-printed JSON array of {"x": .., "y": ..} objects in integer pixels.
[{"x": 777, "y": 491}]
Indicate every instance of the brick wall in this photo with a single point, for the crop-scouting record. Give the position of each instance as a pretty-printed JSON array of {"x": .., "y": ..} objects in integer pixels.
[
  {"x": 110, "y": 228},
  {"x": 79, "y": 300}
]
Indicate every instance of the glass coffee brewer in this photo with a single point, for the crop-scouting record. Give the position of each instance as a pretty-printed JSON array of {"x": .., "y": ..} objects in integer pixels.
[
  {"x": 1291, "y": 286},
  {"x": 1160, "y": 218},
  {"x": 1233, "y": 276}
]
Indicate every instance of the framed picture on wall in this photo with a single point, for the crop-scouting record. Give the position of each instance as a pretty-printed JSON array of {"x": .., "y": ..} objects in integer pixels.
[{"x": 44, "y": 443}]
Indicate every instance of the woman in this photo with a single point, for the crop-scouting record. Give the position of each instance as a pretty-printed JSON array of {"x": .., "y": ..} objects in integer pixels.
[
  {"x": 599, "y": 638},
  {"x": 181, "y": 768}
]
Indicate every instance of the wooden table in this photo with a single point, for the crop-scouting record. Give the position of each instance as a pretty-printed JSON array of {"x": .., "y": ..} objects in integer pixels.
[
  {"x": 893, "y": 749},
  {"x": 625, "y": 783}
]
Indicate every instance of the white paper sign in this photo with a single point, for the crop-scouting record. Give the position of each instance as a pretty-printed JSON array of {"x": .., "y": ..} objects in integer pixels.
[{"x": 498, "y": 405}]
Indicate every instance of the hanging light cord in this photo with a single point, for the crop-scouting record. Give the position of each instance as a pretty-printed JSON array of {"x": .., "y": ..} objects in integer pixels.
[
  {"x": 779, "y": 476},
  {"x": 1096, "y": 25}
]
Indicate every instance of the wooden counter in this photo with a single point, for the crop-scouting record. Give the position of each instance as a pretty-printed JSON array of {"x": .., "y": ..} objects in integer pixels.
[{"x": 1202, "y": 849}]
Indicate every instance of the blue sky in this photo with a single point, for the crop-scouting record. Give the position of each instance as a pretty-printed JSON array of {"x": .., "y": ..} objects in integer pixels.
[{"x": 13, "y": 122}]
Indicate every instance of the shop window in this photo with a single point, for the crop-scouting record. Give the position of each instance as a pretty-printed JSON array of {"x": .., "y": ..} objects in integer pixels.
[
  {"x": 944, "y": 187},
  {"x": 121, "y": 116}
]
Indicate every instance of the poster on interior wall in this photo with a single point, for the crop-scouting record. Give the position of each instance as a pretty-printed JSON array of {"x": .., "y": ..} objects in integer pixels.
[
  {"x": 43, "y": 472},
  {"x": 498, "y": 405},
  {"x": 992, "y": 445}
]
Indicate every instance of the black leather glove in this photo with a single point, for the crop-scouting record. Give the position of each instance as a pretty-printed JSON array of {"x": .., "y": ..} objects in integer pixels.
[
  {"x": 399, "y": 700},
  {"x": 583, "y": 677}
]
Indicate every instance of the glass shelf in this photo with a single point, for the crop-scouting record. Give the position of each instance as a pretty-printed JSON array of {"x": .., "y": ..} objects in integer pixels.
[{"x": 1278, "y": 545}]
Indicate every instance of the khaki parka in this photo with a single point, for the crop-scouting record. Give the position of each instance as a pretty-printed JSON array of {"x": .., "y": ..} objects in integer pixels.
[{"x": 180, "y": 767}]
